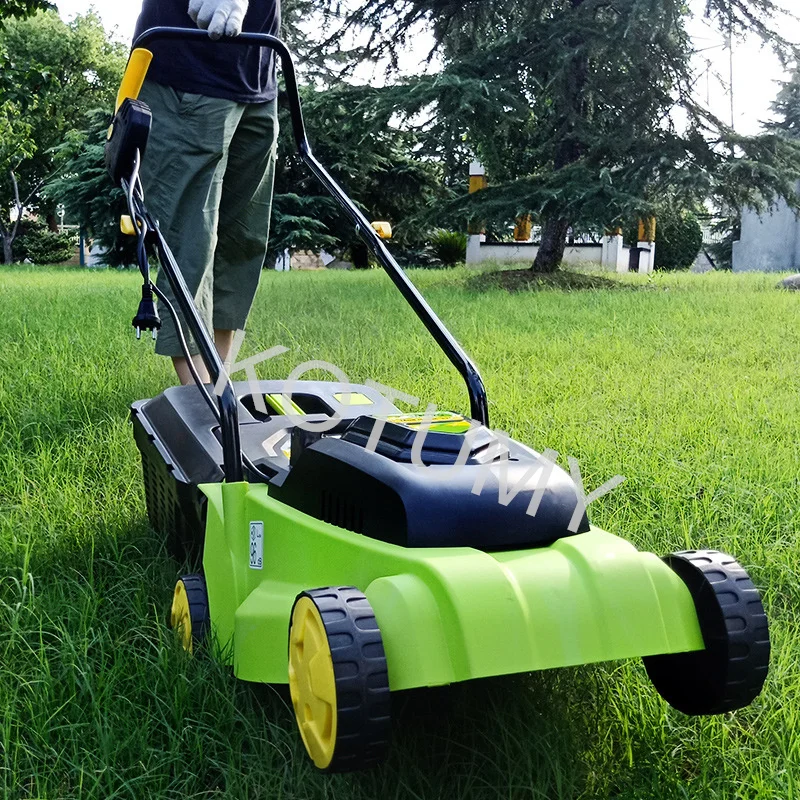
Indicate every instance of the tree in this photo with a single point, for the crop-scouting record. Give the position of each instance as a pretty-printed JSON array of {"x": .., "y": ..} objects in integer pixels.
[
  {"x": 376, "y": 163},
  {"x": 729, "y": 230},
  {"x": 301, "y": 24},
  {"x": 84, "y": 187},
  {"x": 23, "y": 8},
  {"x": 52, "y": 74},
  {"x": 787, "y": 107},
  {"x": 16, "y": 145},
  {"x": 570, "y": 106}
]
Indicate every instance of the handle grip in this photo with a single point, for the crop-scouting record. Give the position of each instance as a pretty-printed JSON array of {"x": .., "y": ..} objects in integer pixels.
[{"x": 135, "y": 73}]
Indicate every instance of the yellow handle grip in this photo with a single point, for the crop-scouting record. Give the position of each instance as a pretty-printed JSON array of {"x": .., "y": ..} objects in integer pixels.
[{"x": 135, "y": 73}]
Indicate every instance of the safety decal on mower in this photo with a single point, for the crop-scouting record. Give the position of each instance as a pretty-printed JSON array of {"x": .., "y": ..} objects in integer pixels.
[{"x": 256, "y": 545}]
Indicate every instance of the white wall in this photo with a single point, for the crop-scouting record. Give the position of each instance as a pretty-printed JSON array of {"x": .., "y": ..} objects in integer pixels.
[{"x": 525, "y": 252}]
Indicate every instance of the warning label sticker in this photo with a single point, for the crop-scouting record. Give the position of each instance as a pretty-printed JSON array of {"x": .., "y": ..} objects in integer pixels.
[{"x": 256, "y": 545}]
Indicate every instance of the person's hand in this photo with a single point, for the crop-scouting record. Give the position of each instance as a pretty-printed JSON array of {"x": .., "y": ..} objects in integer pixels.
[{"x": 219, "y": 17}]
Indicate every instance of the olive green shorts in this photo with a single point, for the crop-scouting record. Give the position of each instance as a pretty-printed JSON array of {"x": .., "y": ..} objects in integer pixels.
[{"x": 207, "y": 176}]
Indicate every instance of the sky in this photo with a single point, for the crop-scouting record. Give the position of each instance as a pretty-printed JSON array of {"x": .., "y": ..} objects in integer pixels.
[{"x": 756, "y": 71}]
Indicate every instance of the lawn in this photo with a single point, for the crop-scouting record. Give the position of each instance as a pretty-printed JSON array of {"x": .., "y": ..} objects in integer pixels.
[{"x": 685, "y": 384}]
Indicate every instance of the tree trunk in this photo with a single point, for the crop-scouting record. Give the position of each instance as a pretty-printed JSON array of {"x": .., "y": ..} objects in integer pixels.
[
  {"x": 359, "y": 252},
  {"x": 554, "y": 241},
  {"x": 570, "y": 107},
  {"x": 8, "y": 250},
  {"x": 52, "y": 223}
]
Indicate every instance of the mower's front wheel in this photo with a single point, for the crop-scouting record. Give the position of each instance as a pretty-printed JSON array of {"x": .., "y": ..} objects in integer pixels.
[
  {"x": 730, "y": 672},
  {"x": 189, "y": 615},
  {"x": 338, "y": 679}
]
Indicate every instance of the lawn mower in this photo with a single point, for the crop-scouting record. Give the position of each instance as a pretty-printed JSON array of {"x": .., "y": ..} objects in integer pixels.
[{"x": 352, "y": 550}]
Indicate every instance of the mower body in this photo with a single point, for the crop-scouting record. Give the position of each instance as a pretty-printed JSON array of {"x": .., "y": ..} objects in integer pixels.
[
  {"x": 445, "y": 614},
  {"x": 351, "y": 550},
  {"x": 432, "y": 545}
]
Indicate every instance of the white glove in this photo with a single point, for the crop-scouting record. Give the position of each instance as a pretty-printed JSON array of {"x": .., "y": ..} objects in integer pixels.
[{"x": 219, "y": 17}]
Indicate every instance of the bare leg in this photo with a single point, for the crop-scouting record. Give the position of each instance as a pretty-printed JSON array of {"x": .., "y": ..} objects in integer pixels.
[
  {"x": 223, "y": 340},
  {"x": 184, "y": 375}
]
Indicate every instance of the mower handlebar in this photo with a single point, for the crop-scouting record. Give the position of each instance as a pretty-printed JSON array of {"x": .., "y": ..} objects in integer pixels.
[
  {"x": 242, "y": 40},
  {"x": 133, "y": 79},
  {"x": 479, "y": 406}
]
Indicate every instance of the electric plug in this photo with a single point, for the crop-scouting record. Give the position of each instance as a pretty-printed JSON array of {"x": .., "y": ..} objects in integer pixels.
[{"x": 146, "y": 318}]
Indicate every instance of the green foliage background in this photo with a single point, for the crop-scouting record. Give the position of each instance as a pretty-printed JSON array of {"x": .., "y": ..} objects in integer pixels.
[
  {"x": 23, "y": 8},
  {"x": 569, "y": 106},
  {"x": 52, "y": 76},
  {"x": 39, "y": 245}
]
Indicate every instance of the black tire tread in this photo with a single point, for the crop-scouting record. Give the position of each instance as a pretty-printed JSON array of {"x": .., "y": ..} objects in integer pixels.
[
  {"x": 360, "y": 672},
  {"x": 730, "y": 672},
  {"x": 197, "y": 595}
]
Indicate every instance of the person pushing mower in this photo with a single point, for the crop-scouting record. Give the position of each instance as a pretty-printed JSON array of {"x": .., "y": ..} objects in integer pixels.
[{"x": 210, "y": 161}]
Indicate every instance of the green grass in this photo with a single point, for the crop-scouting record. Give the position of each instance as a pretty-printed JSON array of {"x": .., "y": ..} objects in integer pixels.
[{"x": 688, "y": 387}]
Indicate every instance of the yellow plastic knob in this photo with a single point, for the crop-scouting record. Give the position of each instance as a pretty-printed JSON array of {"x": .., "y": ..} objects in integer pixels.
[{"x": 383, "y": 229}]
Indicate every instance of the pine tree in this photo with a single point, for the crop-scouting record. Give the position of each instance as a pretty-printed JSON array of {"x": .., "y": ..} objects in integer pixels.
[
  {"x": 375, "y": 162},
  {"x": 572, "y": 106},
  {"x": 787, "y": 107}
]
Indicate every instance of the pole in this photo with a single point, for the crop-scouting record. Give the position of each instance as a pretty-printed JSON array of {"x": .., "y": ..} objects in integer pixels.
[{"x": 730, "y": 68}]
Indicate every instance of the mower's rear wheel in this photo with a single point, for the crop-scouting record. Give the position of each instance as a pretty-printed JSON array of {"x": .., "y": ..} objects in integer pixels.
[
  {"x": 189, "y": 615},
  {"x": 731, "y": 671},
  {"x": 338, "y": 679}
]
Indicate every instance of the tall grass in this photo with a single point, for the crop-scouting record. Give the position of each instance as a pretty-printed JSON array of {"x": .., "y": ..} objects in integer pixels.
[{"x": 688, "y": 387}]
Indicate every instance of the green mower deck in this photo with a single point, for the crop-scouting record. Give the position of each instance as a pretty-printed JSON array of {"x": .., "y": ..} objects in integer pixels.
[{"x": 445, "y": 614}]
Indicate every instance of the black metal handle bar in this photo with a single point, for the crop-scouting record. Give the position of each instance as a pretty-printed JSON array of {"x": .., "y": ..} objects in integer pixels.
[
  {"x": 226, "y": 409},
  {"x": 479, "y": 408}
]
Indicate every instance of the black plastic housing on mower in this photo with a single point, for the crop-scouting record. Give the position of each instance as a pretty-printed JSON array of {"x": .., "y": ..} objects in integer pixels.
[{"x": 333, "y": 476}]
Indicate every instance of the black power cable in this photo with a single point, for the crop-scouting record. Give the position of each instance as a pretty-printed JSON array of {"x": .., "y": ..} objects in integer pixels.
[{"x": 147, "y": 317}]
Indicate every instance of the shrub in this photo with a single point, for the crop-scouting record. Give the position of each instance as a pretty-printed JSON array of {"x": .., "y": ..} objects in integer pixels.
[
  {"x": 679, "y": 238},
  {"x": 448, "y": 247},
  {"x": 411, "y": 255},
  {"x": 678, "y": 241},
  {"x": 39, "y": 244}
]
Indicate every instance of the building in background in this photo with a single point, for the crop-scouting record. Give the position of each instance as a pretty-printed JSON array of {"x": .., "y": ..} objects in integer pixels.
[{"x": 769, "y": 242}]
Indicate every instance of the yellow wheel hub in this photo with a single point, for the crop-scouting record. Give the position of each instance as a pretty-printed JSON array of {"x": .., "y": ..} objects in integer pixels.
[
  {"x": 312, "y": 682},
  {"x": 181, "y": 616}
]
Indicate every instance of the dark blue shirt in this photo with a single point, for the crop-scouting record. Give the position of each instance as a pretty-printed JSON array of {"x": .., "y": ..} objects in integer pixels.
[{"x": 243, "y": 74}]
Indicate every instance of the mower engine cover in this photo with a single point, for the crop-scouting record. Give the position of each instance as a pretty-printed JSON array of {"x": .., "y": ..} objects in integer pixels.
[
  {"x": 128, "y": 133},
  {"x": 491, "y": 501}
]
